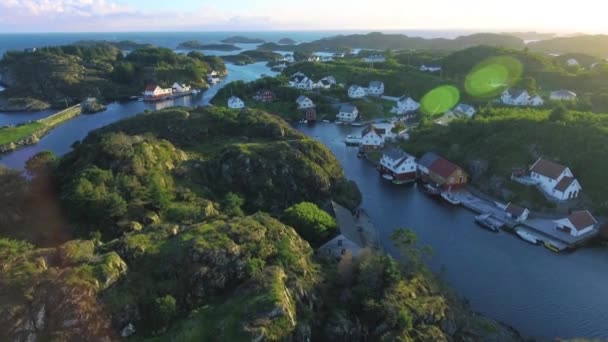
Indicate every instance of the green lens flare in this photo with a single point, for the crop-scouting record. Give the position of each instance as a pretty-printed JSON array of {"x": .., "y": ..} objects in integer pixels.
[
  {"x": 492, "y": 76},
  {"x": 440, "y": 100}
]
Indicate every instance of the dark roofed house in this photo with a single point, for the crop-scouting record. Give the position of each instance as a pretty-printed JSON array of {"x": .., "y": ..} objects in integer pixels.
[
  {"x": 548, "y": 168},
  {"x": 578, "y": 223},
  {"x": 555, "y": 180},
  {"x": 516, "y": 212}
]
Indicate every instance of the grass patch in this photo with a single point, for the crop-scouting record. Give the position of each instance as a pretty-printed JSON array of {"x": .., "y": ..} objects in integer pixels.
[{"x": 13, "y": 134}]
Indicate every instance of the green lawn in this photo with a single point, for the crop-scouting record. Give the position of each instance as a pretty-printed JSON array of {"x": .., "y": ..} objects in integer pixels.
[{"x": 13, "y": 134}]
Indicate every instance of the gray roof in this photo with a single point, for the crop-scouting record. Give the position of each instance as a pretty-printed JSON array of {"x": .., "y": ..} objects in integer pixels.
[
  {"x": 563, "y": 93},
  {"x": 347, "y": 108},
  {"x": 395, "y": 154},
  {"x": 403, "y": 98},
  {"x": 515, "y": 93},
  {"x": 376, "y": 84},
  {"x": 464, "y": 107},
  {"x": 301, "y": 98},
  {"x": 428, "y": 159}
]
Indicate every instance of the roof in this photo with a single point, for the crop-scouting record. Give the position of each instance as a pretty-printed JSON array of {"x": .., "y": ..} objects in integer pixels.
[
  {"x": 302, "y": 98},
  {"x": 395, "y": 154},
  {"x": 463, "y": 107},
  {"x": 564, "y": 184},
  {"x": 515, "y": 93},
  {"x": 443, "y": 167},
  {"x": 548, "y": 168},
  {"x": 151, "y": 87},
  {"x": 428, "y": 159},
  {"x": 404, "y": 98},
  {"x": 354, "y": 86},
  {"x": 234, "y": 98},
  {"x": 515, "y": 210},
  {"x": 581, "y": 219},
  {"x": 563, "y": 93},
  {"x": 376, "y": 84},
  {"x": 379, "y": 131},
  {"x": 347, "y": 108}
]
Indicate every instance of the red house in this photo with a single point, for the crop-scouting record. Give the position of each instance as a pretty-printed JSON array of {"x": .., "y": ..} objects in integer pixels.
[
  {"x": 264, "y": 96},
  {"x": 310, "y": 114}
]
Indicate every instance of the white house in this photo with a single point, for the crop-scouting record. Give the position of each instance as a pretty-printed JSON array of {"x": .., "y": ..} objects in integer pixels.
[
  {"x": 465, "y": 109},
  {"x": 213, "y": 77},
  {"x": 515, "y": 97},
  {"x": 375, "y": 59},
  {"x": 430, "y": 68},
  {"x": 325, "y": 83},
  {"x": 572, "y": 62},
  {"x": 348, "y": 113},
  {"x": 404, "y": 105},
  {"x": 326, "y": 59},
  {"x": 300, "y": 81},
  {"x": 555, "y": 180},
  {"x": 389, "y": 131},
  {"x": 235, "y": 103},
  {"x": 577, "y": 224},
  {"x": 304, "y": 102},
  {"x": 289, "y": 58},
  {"x": 372, "y": 138},
  {"x": 375, "y": 88},
  {"x": 180, "y": 88},
  {"x": 154, "y": 92},
  {"x": 536, "y": 101},
  {"x": 516, "y": 212},
  {"x": 399, "y": 165},
  {"x": 563, "y": 95},
  {"x": 356, "y": 92}
]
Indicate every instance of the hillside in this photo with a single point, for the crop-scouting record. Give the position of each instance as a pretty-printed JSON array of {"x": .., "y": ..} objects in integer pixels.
[
  {"x": 196, "y": 45},
  {"x": 242, "y": 40},
  {"x": 498, "y": 140},
  {"x": 380, "y": 41},
  {"x": 172, "y": 231},
  {"x": 595, "y": 45},
  {"x": 57, "y": 75}
]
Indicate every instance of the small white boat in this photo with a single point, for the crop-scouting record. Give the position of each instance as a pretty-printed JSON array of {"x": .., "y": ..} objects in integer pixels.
[
  {"x": 485, "y": 221},
  {"x": 450, "y": 198},
  {"x": 352, "y": 140},
  {"x": 387, "y": 177},
  {"x": 524, "y": 235},
  {"x": 326, "y": 121}
]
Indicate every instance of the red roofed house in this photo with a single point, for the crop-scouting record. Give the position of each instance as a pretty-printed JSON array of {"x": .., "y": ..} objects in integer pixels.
[
  {"x": 153, "y": 93},
  {"x": 555, "y": 180},
  {"x": 578, "y": 223},
  {"x": 442, "y": 172}
]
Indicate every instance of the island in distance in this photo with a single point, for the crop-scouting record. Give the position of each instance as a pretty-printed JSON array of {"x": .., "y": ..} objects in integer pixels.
[
  {"x": 196, "y": 45},
  {"x": 287, "y": 41},
  {"x": 243, "y": 40}
]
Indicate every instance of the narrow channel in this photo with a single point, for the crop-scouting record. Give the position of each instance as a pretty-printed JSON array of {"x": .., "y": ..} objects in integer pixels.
[{"x": 540, "y": 293}]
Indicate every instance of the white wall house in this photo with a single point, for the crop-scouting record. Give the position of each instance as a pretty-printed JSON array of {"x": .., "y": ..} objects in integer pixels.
[
  {"x": 389, "y": 133},
  {"x": 516, "y": 212},
  {"x": 562, "y": 95},
  {"x": 153, "y": 92},
  {"x": 356, "y": 92},
  {"x": 555, "y": 180},
  {"x": 398, "y": 164},
  {"x": 375, "y": 88},
  {"x": 572, "y": 62},
  {"x": 180, "y": 88},
  {"x": 325, "y": 83},
  {"x": 304, "y": 102},
  {"x": 372, "y": 138},
  {"x": 465, "y": 109},
  {"x": 348, "y": 113},
  {"x": 404, "y": 105},
  {"x": 430, "y": 68},
  {"x": 577, "y": 224},
  {"x": 520, "y": 97},
  {"x": 300, "y": 81},
  {"x": 289, "y": 58},
  {"x": 235, "y": 103}
]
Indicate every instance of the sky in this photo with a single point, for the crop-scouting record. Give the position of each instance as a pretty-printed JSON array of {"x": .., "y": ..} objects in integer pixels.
[{"x": 310, "y": 15}]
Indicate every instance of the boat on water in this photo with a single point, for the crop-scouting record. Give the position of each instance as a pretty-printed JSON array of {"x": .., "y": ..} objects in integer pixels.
[
  {"x": 528, "y": 237},
  {"x": 326, "y": 121},
  {"x": 387, "y": 177},
  {"x": 450, "y": 198},
  {"x": 485, "y": 221},
  {"x": 431, "y": 189},
  {"x": 352, "y": 140}
]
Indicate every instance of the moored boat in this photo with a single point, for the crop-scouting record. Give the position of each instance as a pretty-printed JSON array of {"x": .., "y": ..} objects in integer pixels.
[
  {"x": 431, "y": 189},
  {"x": 526, "y": 236},
  {"x": 352, "y": 140},
  {"x": 450, "y": 198},
  {"x": 485, "y": 221}
]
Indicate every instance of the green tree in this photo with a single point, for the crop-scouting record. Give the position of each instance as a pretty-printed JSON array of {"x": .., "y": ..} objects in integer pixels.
[
  {"x": 559, "y": 113},
  {"x": 312, "y": 223},
  {"x": 232, "y": 204}
]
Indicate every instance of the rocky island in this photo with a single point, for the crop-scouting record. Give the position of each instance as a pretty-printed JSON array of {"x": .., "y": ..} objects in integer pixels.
[
  {"x": 242, "y": 40},
  {"x": 287, "y": 41},
  {"x": 196, "y": 45}
]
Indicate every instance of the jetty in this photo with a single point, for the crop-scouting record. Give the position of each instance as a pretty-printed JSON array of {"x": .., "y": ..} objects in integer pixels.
[{"x": 15, "y": 137}]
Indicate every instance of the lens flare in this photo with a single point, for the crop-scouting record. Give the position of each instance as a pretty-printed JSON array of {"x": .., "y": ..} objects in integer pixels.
[
  {"x": 492, "y": 76},
  {"x": 440, "y": 100}
]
